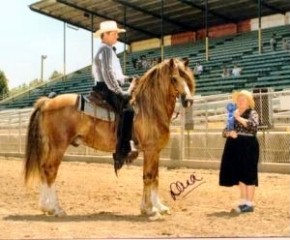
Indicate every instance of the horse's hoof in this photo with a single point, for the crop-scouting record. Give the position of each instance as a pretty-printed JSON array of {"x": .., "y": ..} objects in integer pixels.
[
  {"x": 155, "y": 216},
  {"x": 47, "y": 211},
  {"x": 165, "y": 212},
  {"x": 143, "y": 212},
  {"x": 163, "y": 209},
  {"x": 149, "y": 211},
  {"x": 54, "y": 212},
  {"x": 60, "y": 213}
]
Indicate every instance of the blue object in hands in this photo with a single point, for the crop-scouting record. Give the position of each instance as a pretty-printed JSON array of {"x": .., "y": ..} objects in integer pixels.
[{"x": 231, "y": 107}]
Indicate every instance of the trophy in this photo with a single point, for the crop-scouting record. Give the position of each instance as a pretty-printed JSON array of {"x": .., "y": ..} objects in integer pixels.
[{"x": 231, "y": 107}]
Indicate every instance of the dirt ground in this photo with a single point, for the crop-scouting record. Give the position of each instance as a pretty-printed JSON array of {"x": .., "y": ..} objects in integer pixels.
[{"x": 100, "y": 205}]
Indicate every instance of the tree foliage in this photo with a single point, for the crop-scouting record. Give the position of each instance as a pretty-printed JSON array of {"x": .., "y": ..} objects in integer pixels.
[
  {"x": 55, "y": 74},
  {"x": 4, "y": 90},
  {"x": 32, "y": 84}
]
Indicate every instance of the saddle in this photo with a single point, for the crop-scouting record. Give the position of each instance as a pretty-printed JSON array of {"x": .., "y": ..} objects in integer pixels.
[{"x": 95, "y": 106}]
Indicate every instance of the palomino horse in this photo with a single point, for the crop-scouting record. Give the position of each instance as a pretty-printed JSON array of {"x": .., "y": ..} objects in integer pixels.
[{"x": 56, "y": 123}]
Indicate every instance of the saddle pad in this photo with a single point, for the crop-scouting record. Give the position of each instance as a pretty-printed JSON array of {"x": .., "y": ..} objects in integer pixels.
[{"x": 90, "y": 108}]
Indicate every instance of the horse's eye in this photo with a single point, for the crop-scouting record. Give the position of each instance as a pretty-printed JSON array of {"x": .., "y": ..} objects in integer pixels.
[{"x": 174, "y": 79}]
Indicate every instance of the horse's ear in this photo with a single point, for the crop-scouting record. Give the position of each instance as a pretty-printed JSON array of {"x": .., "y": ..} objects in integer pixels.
[
  {"x": 186, "y": 62},
  {"x": 172, "y": 64}
]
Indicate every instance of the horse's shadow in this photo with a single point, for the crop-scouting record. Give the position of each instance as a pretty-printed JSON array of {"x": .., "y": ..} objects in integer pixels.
[
  {"x": 223, "y": 214},
  {"x": 100, "y": 216}
]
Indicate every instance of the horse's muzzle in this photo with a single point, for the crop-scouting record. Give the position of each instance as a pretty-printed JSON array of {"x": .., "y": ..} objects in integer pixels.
[{"x": 186, "y": 101}]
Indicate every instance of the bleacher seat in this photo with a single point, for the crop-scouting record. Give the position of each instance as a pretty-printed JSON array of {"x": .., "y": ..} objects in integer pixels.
[{"x": 269, "y": 69}]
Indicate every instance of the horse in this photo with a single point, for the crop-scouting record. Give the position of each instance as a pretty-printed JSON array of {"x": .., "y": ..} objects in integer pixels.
[{"x": 56, "y": 123}]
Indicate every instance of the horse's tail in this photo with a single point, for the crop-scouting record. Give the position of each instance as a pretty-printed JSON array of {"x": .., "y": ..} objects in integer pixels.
[{"x": 34, "y": 143}]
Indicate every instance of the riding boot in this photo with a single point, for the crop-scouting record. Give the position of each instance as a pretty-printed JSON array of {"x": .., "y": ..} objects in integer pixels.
[{"x": 125, "y": 149}]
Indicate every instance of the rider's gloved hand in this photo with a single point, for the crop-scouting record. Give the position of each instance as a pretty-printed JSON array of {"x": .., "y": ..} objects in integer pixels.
[
  {"x": 125, "y": 95},
  {"x": 133, "y": 77},
  {"x": 136, "y": 76}
]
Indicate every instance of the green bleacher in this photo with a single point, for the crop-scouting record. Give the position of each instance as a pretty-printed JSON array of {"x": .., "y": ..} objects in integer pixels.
[
  {"x": 269, "y": 69},
  {"x": 259, "y": 70},
  {"x": 79, "y": 82}
]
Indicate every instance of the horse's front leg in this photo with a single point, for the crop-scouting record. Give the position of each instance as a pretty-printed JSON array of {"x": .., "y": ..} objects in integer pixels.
[{"x": 151, "y": 204}]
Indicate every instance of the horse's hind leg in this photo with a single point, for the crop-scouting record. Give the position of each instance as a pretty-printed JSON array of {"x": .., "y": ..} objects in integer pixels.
[
  {"x": 48, "y": 196},
  {"x": 49, "y": 201}
]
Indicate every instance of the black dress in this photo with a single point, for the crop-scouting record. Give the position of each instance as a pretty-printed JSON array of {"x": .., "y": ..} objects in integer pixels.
[{"x": 240, "y": 157}]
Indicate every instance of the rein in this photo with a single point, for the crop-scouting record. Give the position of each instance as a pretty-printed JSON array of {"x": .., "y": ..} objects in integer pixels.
[
  {"x": 173, "y": 78},
  {"x": 177, "y": 113}
]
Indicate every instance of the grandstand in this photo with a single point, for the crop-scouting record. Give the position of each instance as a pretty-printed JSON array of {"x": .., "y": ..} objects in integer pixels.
[
  {"x": 260, "y": 70},
  {"x": 270, "y": 69}
]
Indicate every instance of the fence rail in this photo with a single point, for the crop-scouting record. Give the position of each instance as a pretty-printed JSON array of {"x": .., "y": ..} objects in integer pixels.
[{"x": 195, "y": 134}]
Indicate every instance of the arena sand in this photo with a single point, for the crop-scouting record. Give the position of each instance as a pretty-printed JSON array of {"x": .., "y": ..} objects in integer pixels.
[{"x": 101, "y": 205}]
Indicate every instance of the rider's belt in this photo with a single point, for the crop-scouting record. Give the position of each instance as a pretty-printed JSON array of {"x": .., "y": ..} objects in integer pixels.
[{"x": 246, "y": 134}]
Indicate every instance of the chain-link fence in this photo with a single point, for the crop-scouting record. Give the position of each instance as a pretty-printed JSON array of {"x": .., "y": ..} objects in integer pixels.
[
  {"x": 199, "y": 137},
  {"x": 196, "y": 134}
]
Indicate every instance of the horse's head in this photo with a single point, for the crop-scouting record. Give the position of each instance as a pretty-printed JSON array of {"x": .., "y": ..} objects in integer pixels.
[
  {"x": 156, "y": 91},
  {"x": 182, "y": 80}
]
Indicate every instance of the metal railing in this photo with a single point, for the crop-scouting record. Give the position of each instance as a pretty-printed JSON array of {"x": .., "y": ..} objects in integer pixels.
[{"x": 195, "y": 134}]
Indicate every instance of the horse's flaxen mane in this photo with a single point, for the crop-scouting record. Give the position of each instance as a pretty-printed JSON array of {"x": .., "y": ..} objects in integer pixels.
[
  {"x": 154, "y": 92},
  {"x": 151, "y": 90}
]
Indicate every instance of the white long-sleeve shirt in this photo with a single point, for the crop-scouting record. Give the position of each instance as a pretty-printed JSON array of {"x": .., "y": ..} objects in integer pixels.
[{"x": 107, "y": 68}]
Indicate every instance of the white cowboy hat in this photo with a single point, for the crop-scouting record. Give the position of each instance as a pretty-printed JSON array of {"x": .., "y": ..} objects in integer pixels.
[
  {"x": 247, "y": 94},
  {"x": 108, "y": 26}
]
